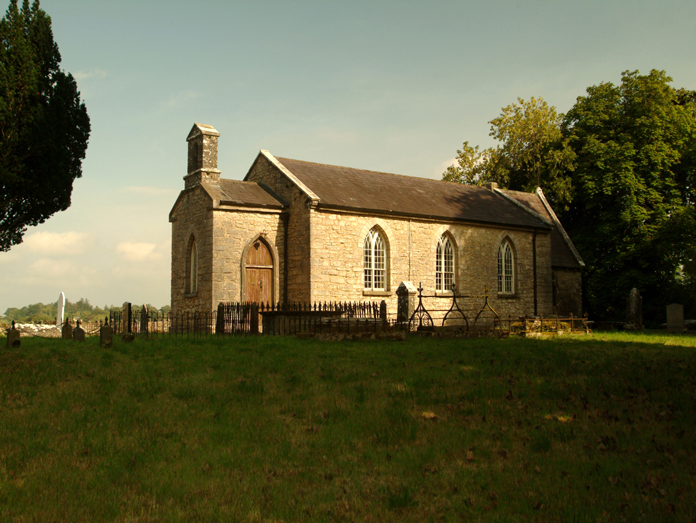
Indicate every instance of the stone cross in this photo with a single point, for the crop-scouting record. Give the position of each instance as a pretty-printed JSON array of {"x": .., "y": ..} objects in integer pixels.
[
  {"x": 13, "y": 337},
  {"x": 634, "y": 311},
  {"x": 106, "y": 335},
  {"x": 67, "y": 331},
  {"x": 78, "y": 332},
  {"x": 60, "y": 315},
  {"x": 675, "y": 317}
]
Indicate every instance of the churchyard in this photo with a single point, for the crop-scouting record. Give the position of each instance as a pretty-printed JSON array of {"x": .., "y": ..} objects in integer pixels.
[{"x": 574, "y": 428}]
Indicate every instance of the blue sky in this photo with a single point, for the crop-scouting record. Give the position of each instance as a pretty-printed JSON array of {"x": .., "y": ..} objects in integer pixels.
[{"x": 392, "y": 86}]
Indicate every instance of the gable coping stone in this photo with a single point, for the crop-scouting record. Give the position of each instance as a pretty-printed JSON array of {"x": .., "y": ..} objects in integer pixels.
[
  {"x": 315, "y": 199},
  {"x": 558, "y": 224}
]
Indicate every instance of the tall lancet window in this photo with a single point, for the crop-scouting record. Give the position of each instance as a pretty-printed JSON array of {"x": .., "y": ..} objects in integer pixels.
[
  {"x": 444, "y": 264},
  {"x": 506, "y": 268},
  {"x": 375, "y": 261},
  {"x": 193, "y": 268}
]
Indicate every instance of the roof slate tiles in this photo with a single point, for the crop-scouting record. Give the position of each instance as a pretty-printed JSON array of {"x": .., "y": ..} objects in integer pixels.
[
  {"x": 370, "y": 191},
  {"x": 248, "y": 194}
]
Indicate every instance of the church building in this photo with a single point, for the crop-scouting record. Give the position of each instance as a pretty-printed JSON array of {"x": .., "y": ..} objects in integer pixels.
[{"x": 294, "y": 230}]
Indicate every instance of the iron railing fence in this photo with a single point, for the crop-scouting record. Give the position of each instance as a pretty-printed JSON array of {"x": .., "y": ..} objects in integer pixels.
[
  {"x": 485, "y": 318},
  {"x": 233, "y": 318}
]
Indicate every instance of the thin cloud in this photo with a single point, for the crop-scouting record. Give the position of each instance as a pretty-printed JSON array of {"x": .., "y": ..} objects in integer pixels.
[
  {"x": 94, "y": 73},
  {"x": 138, "y": 251},
  {"x": 70, "y": 243},
  {"x": 178, "y": 99}
]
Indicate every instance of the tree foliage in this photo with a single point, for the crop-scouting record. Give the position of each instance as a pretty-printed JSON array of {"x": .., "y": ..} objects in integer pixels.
[
  {"x": 619, "y": 169},
  {"x": 532, "y": 153},
  {"x": 82, "y": 310},
  {"x": 44, "y": 126},
  {"x": 632, "y": 213}
]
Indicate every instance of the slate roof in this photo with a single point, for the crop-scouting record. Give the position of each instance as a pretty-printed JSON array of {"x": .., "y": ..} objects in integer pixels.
[
  {"x": 245, "y": 194},
  {"x": 561, "y": 253},
  {"x": 370, "y": 191}
]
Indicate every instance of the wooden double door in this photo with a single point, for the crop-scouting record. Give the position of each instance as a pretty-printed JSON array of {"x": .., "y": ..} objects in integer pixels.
[{"x": 258, "y": 283}]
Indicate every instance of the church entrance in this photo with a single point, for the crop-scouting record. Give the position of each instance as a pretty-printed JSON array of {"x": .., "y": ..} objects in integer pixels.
[{"x": 259, "y": 274}]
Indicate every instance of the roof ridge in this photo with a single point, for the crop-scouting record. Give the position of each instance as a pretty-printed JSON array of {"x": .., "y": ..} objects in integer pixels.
[{"x": 374, "y": 172}]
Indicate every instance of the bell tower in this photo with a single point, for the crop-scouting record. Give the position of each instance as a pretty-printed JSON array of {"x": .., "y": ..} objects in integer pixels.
[{"x": 202, "y": 156}]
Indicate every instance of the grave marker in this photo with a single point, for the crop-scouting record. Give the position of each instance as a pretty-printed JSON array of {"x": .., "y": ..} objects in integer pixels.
[
  {"x": 106, "y": 335},
  {"x": 675, "y": 317},
  {"x": 126, "y": 318},
  {"x": 60, "y": 315},
  {"x": 78, "y": 332},
  {"x": 67, "y": 331},
  {"x": 144, "y": 324},
  {"x": 13, "y": 337},
  {"x": 406, "y": 301},
  {"x": 634, "y": 311}
]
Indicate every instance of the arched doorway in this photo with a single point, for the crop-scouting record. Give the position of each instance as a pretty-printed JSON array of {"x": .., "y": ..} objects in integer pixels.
[{"x": 258, "y": 281}]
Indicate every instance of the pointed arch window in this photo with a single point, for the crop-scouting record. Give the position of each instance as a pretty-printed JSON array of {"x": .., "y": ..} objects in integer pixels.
[
  {"x": 375, "y": 261},
  {"x": 506, "y": 268},
  {"x": 444, "y": 264},
  {"x": 192, "y": 279}
]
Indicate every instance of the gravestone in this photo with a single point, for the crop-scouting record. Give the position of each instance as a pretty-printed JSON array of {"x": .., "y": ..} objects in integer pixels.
[
  {"x": 78, "y": 332},
  {"x": 13, "y": 337},
  {"x": 106, "y": 335},
  {"x": 144, "y": 323},
  {"x": 220, "y": 320},
  {"x": 675, "y": 317},
  {"x": 60, "y": 315},
  {"x": 406, "y": 301},
  {"x": 634, "y": 311},
  {"x": 67, "y": 330},
  {"x": 126, "y": 318},
  {"x": 383, "y": 311}
]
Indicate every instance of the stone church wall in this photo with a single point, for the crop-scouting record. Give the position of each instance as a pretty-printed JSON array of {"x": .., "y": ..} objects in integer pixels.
[
  {"x": 298, "y": 225},
  {"x": 337, "y": 261},
  {"x": 567, "y": 292},
  {"x": 232, "y": 232},
  {"x": 192, "y": 217}
]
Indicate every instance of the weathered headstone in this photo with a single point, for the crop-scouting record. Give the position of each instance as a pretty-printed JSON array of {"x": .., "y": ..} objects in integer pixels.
[
  {"x": 220, "y": 320},
  {"x": 126, "y": 318},
  {"x": 675, "y": 317},
  {"x": 144, "y": 323},
  {"x": 67, "y": 331},
  {"x": 383, "y": 311},
  {"x": 13, "y": 337},
  {"x": 60, "y": 315},
  {"x": 406, "y": 301},
  {"x": 106, "y": 335},
  {"x": 634, "y": 311},
  {"x": 78, "y": 332}
]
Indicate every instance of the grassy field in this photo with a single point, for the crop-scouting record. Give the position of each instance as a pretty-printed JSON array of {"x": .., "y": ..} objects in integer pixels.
[{"x": 595, "y": 428}]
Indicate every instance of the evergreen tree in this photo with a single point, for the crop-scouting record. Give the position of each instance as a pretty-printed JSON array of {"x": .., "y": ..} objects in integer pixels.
[{"x": 44, "y": 126}]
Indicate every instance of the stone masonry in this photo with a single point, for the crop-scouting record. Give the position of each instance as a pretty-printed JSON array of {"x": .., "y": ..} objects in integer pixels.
[{"x": 317, "y": 251}]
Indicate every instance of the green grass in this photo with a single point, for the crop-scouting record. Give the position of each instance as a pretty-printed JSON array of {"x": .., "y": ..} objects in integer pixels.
[{"x": 577, "y": 429}]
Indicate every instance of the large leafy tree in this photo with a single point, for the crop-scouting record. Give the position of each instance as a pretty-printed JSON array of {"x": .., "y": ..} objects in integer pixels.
[
  {"x": 531, "y": 153},
  {"x": 44, "y": 126},
  {"x": 632, "y": 212}
]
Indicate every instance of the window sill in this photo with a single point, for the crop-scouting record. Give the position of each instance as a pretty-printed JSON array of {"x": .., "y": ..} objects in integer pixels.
[
  {"x": 443, "y": 293},
  {"x": 376, "y": 293},
  {"x": 190, "y": 294},
  {"x": 502, "y": 296}
]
